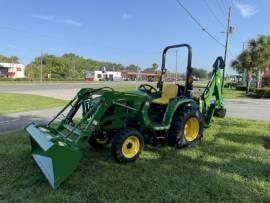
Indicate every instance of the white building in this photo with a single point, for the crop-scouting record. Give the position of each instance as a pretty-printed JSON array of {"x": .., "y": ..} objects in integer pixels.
[
  {"x": 12, "y": 70},
  {"x": 103, "y": 75}
]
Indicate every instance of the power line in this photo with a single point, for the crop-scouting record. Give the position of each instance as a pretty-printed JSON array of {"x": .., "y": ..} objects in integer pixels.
[
  {"x": 228, "y": 3},
  {"x": 224, "y": 4},
  {"x": 213, "y": 13},
  {"x": 199, "y": 24},
  {"x": 223, "y": 12}
]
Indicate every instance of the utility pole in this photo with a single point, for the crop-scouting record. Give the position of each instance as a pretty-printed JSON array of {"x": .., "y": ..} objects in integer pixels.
[
  {"x": 41, "y": 68},
  {"x": 176, "y": 65},
  {"x": 74, "y": 68},
  {"x": 138, "y": 75},
  {"x": 228, "y": 31}
]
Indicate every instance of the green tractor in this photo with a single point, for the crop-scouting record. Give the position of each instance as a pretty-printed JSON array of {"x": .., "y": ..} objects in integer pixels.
[{"x": 127, "y": 119}]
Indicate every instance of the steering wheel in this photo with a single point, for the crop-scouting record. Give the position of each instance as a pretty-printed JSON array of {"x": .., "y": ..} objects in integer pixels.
[{"x": 148, "y": 89}]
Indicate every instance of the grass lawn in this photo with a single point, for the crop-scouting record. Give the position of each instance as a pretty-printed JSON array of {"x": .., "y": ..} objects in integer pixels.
[
  {"x": 13, "y": 102},
  {"x": 123, "y": 87},
  {"x": 233, "y": 94},
  {"x": 230, "y": 165}
]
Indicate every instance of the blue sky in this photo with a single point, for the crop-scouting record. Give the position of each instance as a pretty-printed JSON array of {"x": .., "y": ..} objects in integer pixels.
[{"x": 126, "y": 31}]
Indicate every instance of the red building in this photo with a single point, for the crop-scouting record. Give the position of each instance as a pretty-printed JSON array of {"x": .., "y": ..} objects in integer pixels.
[{"x": 12, "y": 70}]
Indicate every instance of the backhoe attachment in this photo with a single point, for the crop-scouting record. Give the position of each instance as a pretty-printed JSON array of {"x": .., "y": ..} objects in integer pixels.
[{"x": 210, "y": 107}]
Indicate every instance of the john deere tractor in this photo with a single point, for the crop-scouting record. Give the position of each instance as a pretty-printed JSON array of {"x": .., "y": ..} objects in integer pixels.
[{"x": 169, "y": 112}]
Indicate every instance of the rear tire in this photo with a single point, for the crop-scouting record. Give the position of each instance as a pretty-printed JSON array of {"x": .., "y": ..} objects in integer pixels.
[
  {"x": 127, "y": 145},
  {"x": 186, "y": 128}
]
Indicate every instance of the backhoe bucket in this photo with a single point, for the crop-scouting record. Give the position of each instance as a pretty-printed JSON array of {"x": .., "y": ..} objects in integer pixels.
[{"x": 56, "y": 158}]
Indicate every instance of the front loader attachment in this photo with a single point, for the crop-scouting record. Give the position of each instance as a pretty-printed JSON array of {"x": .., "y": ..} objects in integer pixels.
[
  {"x": 56, "y": 157},
  {"x": 56, "y": 145}
]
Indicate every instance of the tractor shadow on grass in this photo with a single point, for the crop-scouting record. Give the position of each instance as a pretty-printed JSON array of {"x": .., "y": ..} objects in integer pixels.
[
  {"x": 225, "y": 123},
  {"x": 215, "y": 173},
  {"x": 240, "y": 138},
  {"x": 242, "y": 154}
]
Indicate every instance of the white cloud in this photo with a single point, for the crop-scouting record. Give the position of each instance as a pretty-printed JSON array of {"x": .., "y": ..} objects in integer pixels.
[
  {"x": 43, "y": 17},
  {"x": 126, "y": 16},
  {"x": 54, "y": 19},
  {"x": 72, "y": 22},
  {"x": 246, "y": 9}
]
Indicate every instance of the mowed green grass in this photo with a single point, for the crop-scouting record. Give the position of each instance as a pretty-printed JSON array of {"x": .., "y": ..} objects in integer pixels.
[
  {"x": 233, "y": 94},
  {"x": 123, "y": 87},
  {"x": 13, "y": 102},
  {"x": 230, "y": 165}
]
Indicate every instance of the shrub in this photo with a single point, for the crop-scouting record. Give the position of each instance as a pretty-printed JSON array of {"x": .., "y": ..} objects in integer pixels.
[
  {"x": 244, "y": 88},
  {"x": 44, "y": 80},
  {"x": 230, "y": 85},
  {"x": 266, "y": 81},
  {"x": 15, "y": 79},
  {"x": 64, "y": 79},
  {"x": 22, "y": 79},
  {"x": 263, "y": 92},
  {"x": 241, "y": 88}
]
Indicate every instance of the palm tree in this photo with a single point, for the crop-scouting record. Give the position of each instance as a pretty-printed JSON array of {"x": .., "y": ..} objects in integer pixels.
[
  {"x": 260, "y": 52},
  {"x": 256, "y": 58},
  {"x": 244, "y": 63}
]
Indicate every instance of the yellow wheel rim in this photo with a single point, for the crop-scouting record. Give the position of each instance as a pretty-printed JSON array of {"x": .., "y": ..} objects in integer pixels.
[
  {"x": 131, "y": 147},
  {"x": 192, "y": 128}
]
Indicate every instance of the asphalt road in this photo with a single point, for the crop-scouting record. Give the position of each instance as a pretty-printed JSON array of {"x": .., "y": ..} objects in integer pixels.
[
  {"x": 255, "y": 109},
  {"x": 17, "y": 121},
  {"x": 58, "y": 90},
  {"x": 57, "y": 86}
]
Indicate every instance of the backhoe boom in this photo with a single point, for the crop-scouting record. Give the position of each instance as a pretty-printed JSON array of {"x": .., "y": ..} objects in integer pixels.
[{"x": 214, "y": 88}]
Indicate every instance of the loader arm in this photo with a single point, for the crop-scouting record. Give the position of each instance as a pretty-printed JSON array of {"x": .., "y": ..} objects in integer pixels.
[{"x": 214, "y": 88}]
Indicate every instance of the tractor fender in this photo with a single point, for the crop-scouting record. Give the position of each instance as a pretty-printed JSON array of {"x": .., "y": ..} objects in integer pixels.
[{"x": 173, "y": 106}]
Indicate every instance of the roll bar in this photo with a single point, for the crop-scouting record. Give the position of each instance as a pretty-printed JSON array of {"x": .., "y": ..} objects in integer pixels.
[{"x": 188, "y": 86}]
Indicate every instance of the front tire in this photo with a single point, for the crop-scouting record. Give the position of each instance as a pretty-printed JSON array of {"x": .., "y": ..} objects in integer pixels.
[
  {"x": 127, "y": 145},
  {"x": 186, "y": 128}
]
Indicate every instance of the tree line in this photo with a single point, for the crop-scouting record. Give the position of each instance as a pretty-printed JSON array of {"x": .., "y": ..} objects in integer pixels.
[
  {"x": 72, "y": 66},
  {"x": 66, "y": 66},
  {"x": 11, "y": 59}
]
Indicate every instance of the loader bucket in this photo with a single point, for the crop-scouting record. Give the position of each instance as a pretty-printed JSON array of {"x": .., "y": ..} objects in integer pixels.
[{"x": 56, "y": 159}]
